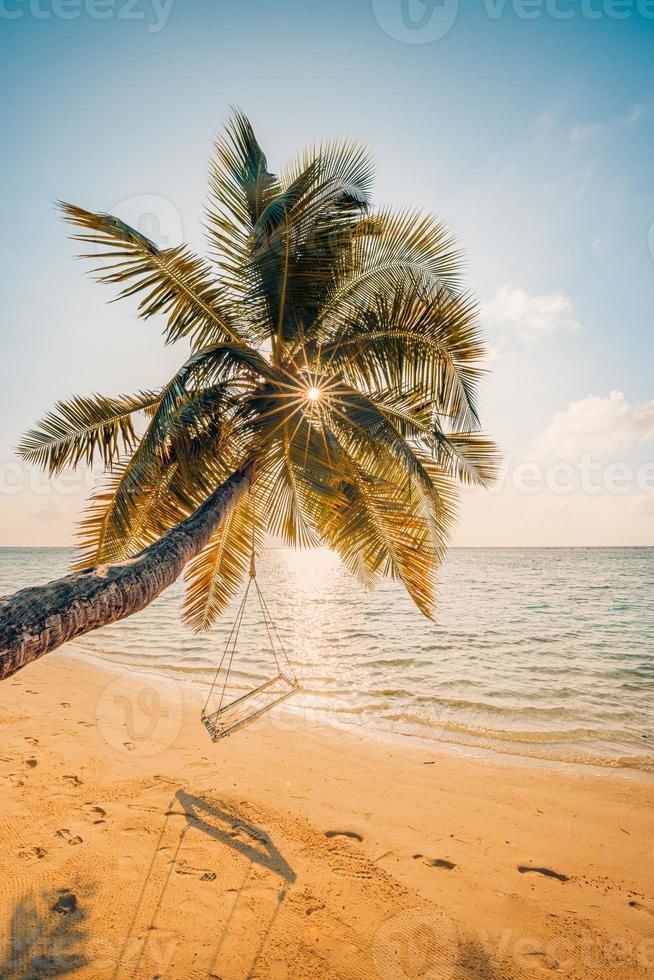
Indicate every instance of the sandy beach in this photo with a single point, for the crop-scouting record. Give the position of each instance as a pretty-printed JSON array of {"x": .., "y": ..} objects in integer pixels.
[{"x": 134, "y": 847}]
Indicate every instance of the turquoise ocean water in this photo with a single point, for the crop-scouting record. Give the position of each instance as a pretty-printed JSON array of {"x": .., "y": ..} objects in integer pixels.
[{"x": 546, "y": 653}]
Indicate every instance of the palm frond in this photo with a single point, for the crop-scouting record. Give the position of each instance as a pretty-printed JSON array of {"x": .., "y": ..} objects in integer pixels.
[
  {"x": 418, "y": 342},
  {"x": 381, "y": 528},
  {"x": 301, "y": 483},
  {"x": 345, "y": 164},
  {"x": 174, "y": 485},
  {"x": 85, "y": 430},
  {"x": 470, "y": 457},
  {"x": 294, "y": 241},
  {"x": 111, "y": 530},
  {"x": 404, "y": 250},
  {"x": 240, "y": 189},
  {"x": 214, "y": 577},
  {"x": 171, "y": 282}
]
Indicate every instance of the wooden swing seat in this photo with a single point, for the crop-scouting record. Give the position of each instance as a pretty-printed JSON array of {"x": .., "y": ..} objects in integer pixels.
[{"x": 242, "y": 711}]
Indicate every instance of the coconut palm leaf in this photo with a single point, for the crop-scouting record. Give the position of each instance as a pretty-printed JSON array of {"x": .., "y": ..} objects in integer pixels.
[
  {"x": 406, "y": 250},
  {"x": 413, "y": 342},
  {"x": 334, "y": 355},
  {"x": 393, "y": 538},
  {"x": 240, "y": 188},
  {"x": 214, "y": 577},
  {"x": 345, "y": 163},
  {"x": 86, "y": 430},
  {"x": 175, "y": 283},
  {"x": 302, "y": 487},
  {"x": 115, "y": 515}
]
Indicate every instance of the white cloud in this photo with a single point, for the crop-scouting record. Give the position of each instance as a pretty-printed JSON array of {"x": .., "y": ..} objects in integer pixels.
[
  {"x": 572, "y": 485},
  {"x": 586, "y": 131},
  {"x": 532, "y": 316},
  {"x": 596, "y": 426}
]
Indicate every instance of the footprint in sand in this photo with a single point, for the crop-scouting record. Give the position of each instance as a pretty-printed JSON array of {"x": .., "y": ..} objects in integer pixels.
[
  {"x": 547, "y": 872},
  {"x": 95, "y": 812},
  {"x": 68, "y": 837},
  {"x": 32, "y": 763},
  {"x": 75, "y": 780},
  {"x": 34, "y": 853},
  {"x": 351, "y": 834},
  {"x": 65, "y": 704},
  {"x": 126, "y": 865},
  {"x": 66, "y": 903},
  {"x": 31, "y": 740},
  {"x": 435, "y": 862}
]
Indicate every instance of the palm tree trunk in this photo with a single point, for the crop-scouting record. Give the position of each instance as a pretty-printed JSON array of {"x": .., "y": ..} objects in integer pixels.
[{"x": 37, "y": 620}]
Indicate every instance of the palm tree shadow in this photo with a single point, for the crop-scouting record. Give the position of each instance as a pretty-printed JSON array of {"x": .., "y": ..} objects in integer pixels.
[
  {"x": 46, "y": 937},
  {"x": 228, "y": 829}
]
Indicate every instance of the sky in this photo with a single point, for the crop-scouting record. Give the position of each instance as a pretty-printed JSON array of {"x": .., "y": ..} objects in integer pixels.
[{"x": 527, "y": 125}]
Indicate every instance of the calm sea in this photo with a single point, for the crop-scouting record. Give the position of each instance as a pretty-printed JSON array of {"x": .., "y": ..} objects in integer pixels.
[{"x": 546, "y": 653}]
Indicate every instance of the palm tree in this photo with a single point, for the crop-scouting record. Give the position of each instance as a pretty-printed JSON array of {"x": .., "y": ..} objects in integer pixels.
[{"x": 328, "y": 396}]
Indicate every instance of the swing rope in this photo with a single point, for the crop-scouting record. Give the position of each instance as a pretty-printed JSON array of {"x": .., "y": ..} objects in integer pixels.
[
  {"x": 285, "y": 672},
  {"x": 233, "y": 635}
]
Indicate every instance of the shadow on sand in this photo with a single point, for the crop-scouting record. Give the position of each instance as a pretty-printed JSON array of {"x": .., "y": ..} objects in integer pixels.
[
  {"x": 46, "y": 936},
  {"x": 147, "y": 941}
]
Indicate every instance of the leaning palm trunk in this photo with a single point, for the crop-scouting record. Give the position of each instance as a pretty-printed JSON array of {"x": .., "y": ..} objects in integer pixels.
[
  {"x": 334, "y": 340},
  {"x": 37, "y": 620}
]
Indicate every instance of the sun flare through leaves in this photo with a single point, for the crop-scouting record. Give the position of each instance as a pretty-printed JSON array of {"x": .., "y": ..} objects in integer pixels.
[{"x": 331, "y": 344}]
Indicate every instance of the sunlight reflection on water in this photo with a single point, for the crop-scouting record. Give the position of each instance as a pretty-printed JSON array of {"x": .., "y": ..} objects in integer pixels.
[{"x": 540, "y": 652}]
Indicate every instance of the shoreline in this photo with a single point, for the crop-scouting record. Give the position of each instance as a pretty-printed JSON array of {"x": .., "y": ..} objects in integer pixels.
[
  {"x": 308, "y": 853},
  {"x": 80, "y": 650},
  {"x": 558, "y": 673}
]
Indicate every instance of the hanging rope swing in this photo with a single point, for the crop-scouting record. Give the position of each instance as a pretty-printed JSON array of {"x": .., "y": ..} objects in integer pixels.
[{"x": 232, "y": 715}]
